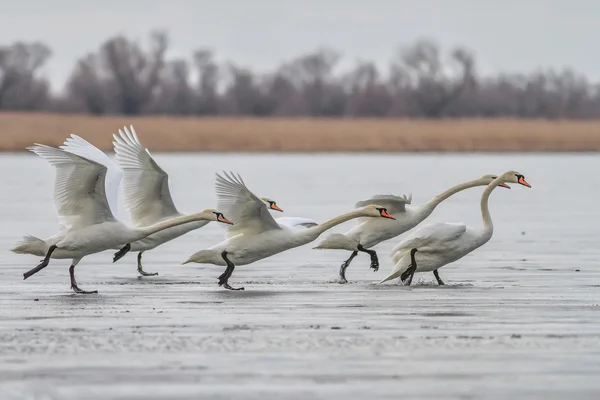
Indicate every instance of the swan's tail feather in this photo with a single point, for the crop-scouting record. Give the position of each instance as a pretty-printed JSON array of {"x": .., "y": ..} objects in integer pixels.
[
  {"x": 202, "y": 256},
  {"x": 337, "y": 241},
  {"x": 31, "y": 245},
  {"x": 401, "y": 263}
]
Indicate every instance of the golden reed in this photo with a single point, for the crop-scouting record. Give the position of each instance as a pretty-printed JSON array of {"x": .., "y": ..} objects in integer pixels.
[{"x": 158, "y": 133}]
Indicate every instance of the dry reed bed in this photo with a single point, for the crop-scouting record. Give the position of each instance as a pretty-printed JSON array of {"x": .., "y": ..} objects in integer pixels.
[{"x": 19, "y": 130}]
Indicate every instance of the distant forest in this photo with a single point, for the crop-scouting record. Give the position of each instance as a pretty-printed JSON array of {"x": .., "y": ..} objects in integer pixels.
[{"x": 423, "y": 81}]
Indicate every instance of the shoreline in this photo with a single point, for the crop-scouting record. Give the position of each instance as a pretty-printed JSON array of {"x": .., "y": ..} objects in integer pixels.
[{"x": 306, "y": 135}]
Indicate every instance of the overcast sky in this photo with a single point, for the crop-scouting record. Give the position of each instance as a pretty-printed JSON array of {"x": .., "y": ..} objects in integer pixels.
[{"x": 507, "y": 35}]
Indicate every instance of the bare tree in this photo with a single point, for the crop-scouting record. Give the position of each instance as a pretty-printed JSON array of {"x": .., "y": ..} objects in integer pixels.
[
  {"x": 208, "y": 83},
  {"x": 174, "y": 94},
  {"x": 123, "y": 77},
  {"x": 433, "y": 84},
  {"x": 21, "y": 88}
]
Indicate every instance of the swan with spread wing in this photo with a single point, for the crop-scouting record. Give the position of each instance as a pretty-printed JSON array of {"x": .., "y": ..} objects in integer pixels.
[
  {"x": 255, "y": 235},
  {"x": 370, "y": 232},
  {"x": 87, "y": 224},
  {"x": 432, "y": 246}
]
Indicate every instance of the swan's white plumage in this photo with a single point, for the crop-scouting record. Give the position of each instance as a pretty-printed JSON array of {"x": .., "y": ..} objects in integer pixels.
[
  {"x": 391, "y": 202},
  {"x": 338, "y": 241},
  {"x": 248, "y": 213},
  {"x": 145, "y": 184},
  {"x": 431, "y": 237},
  {"x": 81, "y": 147},
  {"x": 296, "y": 222},
  {"x": 79, "y": 188}
]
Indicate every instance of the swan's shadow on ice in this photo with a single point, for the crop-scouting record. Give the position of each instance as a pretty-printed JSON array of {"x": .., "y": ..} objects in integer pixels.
[
  {"x": 425, "y": 285},
  {"x": 248, "y": 293}
]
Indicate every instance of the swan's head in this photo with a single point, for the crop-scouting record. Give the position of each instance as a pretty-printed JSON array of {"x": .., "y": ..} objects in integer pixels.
[
  {"x": 515, "y": 177},
  {"x": 271, "y": 204},
  {"x": 487, "y": 179},
  {"x": 215, "y": 215},
  {"x": 373, "y": 210}
]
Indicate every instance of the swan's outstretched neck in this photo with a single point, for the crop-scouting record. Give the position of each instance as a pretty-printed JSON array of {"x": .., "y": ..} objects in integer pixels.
[
  {"x": 322, "y": 227},
  {"x": 433, "y": 203},
  {"x": 142, "y": 232}
]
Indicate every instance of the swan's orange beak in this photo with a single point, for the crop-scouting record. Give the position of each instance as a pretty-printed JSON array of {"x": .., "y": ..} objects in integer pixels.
[
  {"x": 504, "y": 185},
  {"x": 386, "y": 214},
  {"x": 523, "y": 182},
  {"x": 275, "y": 207},
  {"x": 224, "y": 220}
]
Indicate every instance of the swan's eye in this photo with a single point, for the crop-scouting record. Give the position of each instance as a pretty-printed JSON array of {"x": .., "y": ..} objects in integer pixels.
[{"x": 494, "y": 177}]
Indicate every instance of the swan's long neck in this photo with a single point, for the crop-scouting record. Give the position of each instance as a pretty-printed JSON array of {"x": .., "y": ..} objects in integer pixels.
[
  {"x": 485, "y": 209},
  {"x": 142, "y": 232},
  {"x": 433, "y": 203},
  {"x": 315, "y": 231}
]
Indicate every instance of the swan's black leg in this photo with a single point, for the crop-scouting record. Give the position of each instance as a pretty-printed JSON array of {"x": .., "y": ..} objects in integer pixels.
[
  {"x": 373, "y": 254},
  {"x": 119, "y": 254},
  {"x": 74, "y": 286},
  {"x": 345, "y": 265},
  {"x": 224, "y": 278},
  {"x": 141, "y": 269},
  {"x": 407, "y": 276},
  {"x": 42, "y": 265},
  {"x": 437, "y": 277}
]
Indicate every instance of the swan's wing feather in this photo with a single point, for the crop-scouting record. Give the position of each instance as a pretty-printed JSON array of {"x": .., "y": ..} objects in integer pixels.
[
  {"x": 248, "y": 213},
  {"x": 81, "y": 147},
  {"x": 393, "y": 203},
  {"x": 296, "y": 222},
  {"x": 431, "y": 237},
  {"x": 145, "y": 184},
  {"x": 79, "y": 187}
]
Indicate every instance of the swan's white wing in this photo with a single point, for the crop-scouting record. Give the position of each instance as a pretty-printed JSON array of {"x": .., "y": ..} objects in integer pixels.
[
  {"x": 393, "y": 204},
  {"x": 431, "y": 237},
  {"x": 248, "y": 213},
  {"x": 81, "y": 147},
  {"x": 145, "y": 184},
  {"x": 79, "y": 187},
  {"x": 296, "y": 222}
]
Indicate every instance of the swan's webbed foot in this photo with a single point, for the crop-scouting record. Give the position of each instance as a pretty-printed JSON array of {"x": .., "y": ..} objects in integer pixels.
[
  {"x": 375, "y": 264},
  {"x": 373, "y": 255},
  {"x": 227, "y": 286},
  {"x": 119, "y": 254},
  {"x": 77, "y": 290},
  {"x": 74, "y": 286},
  {"x": 345, "y": 265},
  {"x": 140, "y": 269},
  {"x": 437, "y": 277},
  {"x": 224, "y": 278},
  {"x": 144, "y": 273}
]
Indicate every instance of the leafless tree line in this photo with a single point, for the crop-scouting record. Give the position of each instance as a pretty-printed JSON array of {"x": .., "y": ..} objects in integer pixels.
[{"x": 124, "y": 77}]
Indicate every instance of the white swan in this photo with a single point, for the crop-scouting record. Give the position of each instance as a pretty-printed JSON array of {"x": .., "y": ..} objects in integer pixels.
[
  {"x": 370, "y": 232},
  {"x": 147, "y": 196},
  {"x": 254, "y": 234},
  {"x": 435, "y": 245},
  {"x": 87, "y": 223}
]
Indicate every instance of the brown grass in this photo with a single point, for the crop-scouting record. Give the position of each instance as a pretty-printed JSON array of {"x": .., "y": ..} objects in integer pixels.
[{"x": 19, "y": 130}]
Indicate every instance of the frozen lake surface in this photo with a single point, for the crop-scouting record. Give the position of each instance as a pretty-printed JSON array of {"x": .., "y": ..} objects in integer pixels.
[{"x": 519, "y": 317}]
